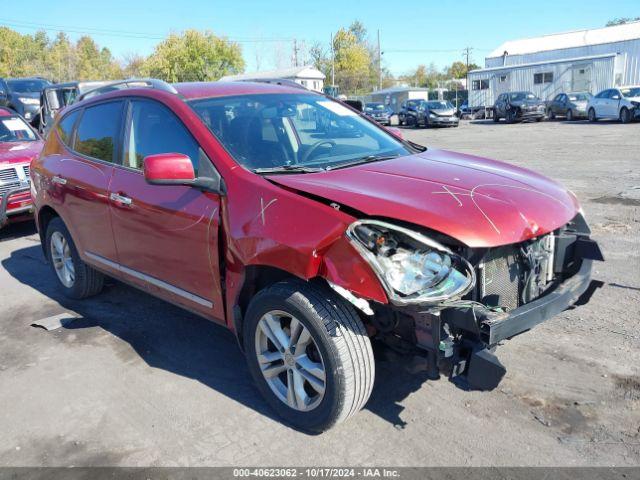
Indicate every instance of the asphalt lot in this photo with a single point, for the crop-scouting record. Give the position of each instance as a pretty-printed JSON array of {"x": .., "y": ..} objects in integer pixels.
[{"x": 137, "y": 382}]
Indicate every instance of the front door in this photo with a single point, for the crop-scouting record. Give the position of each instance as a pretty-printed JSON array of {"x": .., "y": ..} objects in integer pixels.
[{"x": 166, "y": 235}]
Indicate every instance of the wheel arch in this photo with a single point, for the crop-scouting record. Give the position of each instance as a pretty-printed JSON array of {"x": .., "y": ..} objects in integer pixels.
[{"x": 44, "y": 217}]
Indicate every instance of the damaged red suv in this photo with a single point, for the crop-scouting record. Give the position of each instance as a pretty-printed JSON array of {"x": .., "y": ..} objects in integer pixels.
[{"x": 307, "y": 230}]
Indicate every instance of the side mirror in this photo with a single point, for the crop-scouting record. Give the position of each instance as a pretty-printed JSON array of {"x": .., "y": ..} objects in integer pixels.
[
  {"x": 177, "y": 169},
  {"x": 52, "y": 99},
  {"x": 396, "y": 132},
  {"x": 168, "y": 169}
]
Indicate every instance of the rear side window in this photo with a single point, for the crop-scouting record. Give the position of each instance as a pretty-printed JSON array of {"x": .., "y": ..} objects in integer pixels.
[
  {"x": 65, "y": 127},
  {"x": 154, "y": 129},
  {"x": 97, "y": 132}
]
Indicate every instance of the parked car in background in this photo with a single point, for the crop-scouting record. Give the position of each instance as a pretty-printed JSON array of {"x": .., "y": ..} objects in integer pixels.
[
  {"x": 518, "y": 106},
  {"x": 229, "y": 200},
  {"x": 569, "y": 105},
  {"x": 621, "y": 103},
  {"x": 55, "y": 97},
  {"x": 379, "y": 112},
  {"x": 436, "y": 113},
  {"x": 19, "y": 145},
  {"x": 464, "y": 111},
  {"x": 407, "y": 114},
  {"x": 22, "y": 95}
]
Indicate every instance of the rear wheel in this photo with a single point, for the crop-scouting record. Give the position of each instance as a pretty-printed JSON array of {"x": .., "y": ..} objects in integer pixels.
[
  {"x": 77, "y": 279},
  {"x": 592, "y": 115},
  {"x": 625, "y": 115},
  {"x": 309, "y": 354}
]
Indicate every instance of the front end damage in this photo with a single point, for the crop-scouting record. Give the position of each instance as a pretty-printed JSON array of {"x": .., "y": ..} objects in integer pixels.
[{"x": 514, "y": 288}]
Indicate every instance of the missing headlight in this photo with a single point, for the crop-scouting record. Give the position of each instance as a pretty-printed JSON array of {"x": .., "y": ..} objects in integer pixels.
[{"x": 411, "y": 267}]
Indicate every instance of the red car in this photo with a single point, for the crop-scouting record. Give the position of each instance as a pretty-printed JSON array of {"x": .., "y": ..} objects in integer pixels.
[
  {"x": 19, "y": 145},
  {"x": 307, "y": 230}
]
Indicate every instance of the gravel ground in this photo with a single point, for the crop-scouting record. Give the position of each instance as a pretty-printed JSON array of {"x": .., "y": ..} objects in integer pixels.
[{"x": 136, "y": 382}]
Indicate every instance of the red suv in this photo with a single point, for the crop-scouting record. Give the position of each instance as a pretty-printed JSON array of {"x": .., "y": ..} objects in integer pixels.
[{"x": 307, "y": 230}]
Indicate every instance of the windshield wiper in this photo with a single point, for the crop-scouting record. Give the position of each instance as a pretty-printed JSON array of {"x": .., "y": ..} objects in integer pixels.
[
  {"x": 288, "y": 169},
  {"x": 365, "y": 159}
]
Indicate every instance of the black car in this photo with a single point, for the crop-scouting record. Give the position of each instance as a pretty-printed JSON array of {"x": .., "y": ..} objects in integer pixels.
[
  {"x": 22, "y": 95},
  {"x": 378, "y": 112},
  {"x": 408, "y": 113},
  {"x": 519, "y": 106}
]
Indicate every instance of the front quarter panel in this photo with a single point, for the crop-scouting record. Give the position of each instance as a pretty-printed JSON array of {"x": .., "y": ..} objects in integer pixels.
[{"x": 271, "y": 226}]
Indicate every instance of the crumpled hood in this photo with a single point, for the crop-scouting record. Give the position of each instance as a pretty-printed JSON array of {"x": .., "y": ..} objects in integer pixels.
[
  {"x": 19, "y": 152},
  {"x": 443, "y": 112},
  {"x": 480, "y": 202}
]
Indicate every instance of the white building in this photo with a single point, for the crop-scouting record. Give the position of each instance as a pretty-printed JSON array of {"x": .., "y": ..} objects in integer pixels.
[
  {"x": 307, "y": 76},
  {"x": 584, "y": 60}
]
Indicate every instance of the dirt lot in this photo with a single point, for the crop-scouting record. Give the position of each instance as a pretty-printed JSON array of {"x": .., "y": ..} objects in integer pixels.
[{"x": 135, "y": 381}]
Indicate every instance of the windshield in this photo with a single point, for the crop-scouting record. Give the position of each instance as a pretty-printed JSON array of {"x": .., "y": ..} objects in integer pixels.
[
  {"x": 579, "y": 97},
  {"x": 433, "y": 105},
  {"x": 520, "y": 96},
  {"x": 294, "y": 130},
  {"x": 29, "y": 86},
  {"x": 630, "y": 92},
  {"x": 374, "y": 107},
  {"x": 14, "y": 129}
]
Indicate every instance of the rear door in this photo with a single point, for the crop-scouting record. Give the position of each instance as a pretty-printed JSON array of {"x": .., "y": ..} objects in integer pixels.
[
  {"x": 166, "y": 235},
  {"x": 82, "y": 173}
]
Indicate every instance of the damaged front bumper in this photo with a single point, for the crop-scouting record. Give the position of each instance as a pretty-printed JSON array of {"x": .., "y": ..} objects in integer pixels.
[{"x": 460, "y": 338}]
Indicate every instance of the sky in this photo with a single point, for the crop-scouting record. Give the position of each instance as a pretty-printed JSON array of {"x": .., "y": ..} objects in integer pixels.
[{"x": 411, "y": 32}]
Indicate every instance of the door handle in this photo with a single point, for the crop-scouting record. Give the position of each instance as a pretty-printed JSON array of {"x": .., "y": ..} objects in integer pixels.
[
  {"x": 59, "y": 180},
  {"x": 121, "y": 199}
]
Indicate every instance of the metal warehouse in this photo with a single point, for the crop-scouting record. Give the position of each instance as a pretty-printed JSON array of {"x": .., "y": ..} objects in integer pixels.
[{"x": 584, "y": 60}]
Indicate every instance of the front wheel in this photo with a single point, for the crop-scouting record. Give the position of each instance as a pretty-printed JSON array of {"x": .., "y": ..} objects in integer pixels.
[
  {"x": 592, "y": 115},
  {"x": 77, "y": 279},
  {"x": 309, "y": 354},
  {"x": 625, "y": 115},
  {"x": 569, "y": 115},
  {"x": 551, "y": 114}
]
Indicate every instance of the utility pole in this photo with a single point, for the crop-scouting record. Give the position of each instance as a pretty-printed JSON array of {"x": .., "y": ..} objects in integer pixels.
[
  {"x": 333, "y": 65},
  {"x": 467, "y": 54},
  {"x": 295, "y": 52},
  {"x": 379, "y": 63}
]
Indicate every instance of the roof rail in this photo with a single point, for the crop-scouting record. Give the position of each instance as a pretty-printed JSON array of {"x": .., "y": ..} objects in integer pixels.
[
  {"x": 285, "y": 82},
  {"x": 129, "y": 83}
]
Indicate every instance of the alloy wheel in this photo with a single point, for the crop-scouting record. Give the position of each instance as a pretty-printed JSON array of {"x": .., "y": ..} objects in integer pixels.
[
  {"x": 62, "y": 260},
  {"x": 290, "y": 360}
]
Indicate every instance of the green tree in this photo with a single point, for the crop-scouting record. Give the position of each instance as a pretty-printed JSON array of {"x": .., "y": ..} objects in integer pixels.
[
  {"x": 622, "y": 21},
  {"x": 459, "y": 69},
  {"x": 194, "y": 56}
]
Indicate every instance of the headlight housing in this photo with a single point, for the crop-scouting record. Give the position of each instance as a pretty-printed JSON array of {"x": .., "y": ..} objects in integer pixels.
[
  {"x": 412, "y": 268},
  {"x": 29, "y": 101}
]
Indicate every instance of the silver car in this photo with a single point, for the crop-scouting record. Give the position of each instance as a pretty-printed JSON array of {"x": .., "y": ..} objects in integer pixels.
[
  {"x": 569, "y": 105},
  {"x": 437, "y": 113}
]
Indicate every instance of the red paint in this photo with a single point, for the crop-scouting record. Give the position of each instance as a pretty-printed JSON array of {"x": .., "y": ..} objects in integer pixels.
[
  {"x": 181, "y": 235},
  {"x": 18, "y": 154},
  {"x": 168, "y": 166}
]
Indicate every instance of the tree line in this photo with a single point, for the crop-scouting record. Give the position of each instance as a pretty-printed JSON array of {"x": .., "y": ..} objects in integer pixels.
[{"x": 188, "y": 56}]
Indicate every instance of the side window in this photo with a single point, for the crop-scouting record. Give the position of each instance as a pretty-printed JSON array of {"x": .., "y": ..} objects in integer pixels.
[
  {"x": 65, "y": 127},
  {"x": 154, "y": 129},
  {"x": 97, "y": 132}
]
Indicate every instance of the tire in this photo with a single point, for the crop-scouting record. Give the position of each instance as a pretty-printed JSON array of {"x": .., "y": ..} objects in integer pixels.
[
  {"x": 339, "y": 344},
  {"x": 85, "y": 281},
  {"x": 592, "y": 115},
  {"x": 511, "y": 116},
  {"x": 625, "y": 115},
  {"x": 551, "y": 115},
  {"x": 569, "y": 115},
  {"x": 496, "y": 118}
]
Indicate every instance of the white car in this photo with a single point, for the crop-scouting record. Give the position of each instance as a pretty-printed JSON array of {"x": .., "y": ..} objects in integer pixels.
[{"x": 621, "y": 103}]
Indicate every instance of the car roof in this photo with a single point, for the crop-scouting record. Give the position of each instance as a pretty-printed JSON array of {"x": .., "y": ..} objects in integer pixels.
[{"x": 194, "y": 90}]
